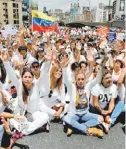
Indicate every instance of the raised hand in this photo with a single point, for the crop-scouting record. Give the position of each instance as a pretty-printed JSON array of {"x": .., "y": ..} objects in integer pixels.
[
  {"x": 21, "y": 61},
  {"x": 54, "y": 55},
  {"x": 16, "y": 64},
  {"x": 4, "y": 55},
  {"x": 105, "y": 59},
  {"x": 78, "y": 46},
  {"x": 64, "y": 61},
  {"x": 49, "y": 55}
]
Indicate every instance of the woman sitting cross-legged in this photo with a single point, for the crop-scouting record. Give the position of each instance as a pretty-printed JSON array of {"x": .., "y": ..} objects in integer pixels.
[
  {"x": 78, "y": 115},
  {"x": 28, "y": 101},
  {"x": 52, "y": 88},
  {"x": 104, "y": 100}
]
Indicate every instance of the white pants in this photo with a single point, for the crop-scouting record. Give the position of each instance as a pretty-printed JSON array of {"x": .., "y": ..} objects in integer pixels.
[
  {"x": 39, "y": 119},
  {"x": 121, "y": 92}
]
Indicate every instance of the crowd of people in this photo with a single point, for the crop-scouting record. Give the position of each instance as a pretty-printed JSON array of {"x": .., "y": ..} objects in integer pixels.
[{"x": 76, "y": 77}]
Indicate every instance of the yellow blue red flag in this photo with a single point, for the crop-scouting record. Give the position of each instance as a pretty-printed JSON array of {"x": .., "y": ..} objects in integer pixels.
[{"x": 42, "y": 22}]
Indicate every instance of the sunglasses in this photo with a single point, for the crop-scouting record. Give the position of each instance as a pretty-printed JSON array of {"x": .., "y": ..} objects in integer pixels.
[
  {"x": 35, "y": 66},
  {"x": 50, "y": 94}
]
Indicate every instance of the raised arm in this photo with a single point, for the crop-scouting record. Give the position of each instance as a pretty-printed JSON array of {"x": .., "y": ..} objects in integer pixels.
[
  {"x": 11, "y": 74},
  {"x": 45, "y": 70},
  {"x": 121, "y": 78},
  {"x": 91, "y": 66}
]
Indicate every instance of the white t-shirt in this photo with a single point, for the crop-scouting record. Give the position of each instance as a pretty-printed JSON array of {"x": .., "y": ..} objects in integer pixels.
[
  {"x": 104, "y": 94},
  {"x": 72, "y": 59}
]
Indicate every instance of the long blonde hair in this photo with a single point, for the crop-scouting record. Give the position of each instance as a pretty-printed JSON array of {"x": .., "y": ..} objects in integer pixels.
[{"x": 59, "y": 82}]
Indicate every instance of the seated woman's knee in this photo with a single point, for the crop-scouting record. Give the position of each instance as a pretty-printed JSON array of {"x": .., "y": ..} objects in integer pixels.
[{"x": 100, "y": 119}]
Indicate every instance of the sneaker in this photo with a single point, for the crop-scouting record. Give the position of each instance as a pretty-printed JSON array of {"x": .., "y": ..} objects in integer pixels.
[
  {"x": 69, "y": 132},
  {"x": 95, "y": 132},
  {"x": 48, "y": 127}
]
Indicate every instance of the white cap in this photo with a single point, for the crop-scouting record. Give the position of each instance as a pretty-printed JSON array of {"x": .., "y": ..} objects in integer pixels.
[
  {"x": 61, "y": 47},
  {"x": 15, "y": 43}
]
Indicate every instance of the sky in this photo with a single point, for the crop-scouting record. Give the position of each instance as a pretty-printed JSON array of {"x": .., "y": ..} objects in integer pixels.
[{"x": 65, "y": 4}]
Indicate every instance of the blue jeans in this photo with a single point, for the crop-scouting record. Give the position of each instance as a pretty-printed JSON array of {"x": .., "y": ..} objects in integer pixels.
[
  {"x": 1, "y": 132},
  {"x": 87, "y": 120},
  {"x": 119, "y": 108}
]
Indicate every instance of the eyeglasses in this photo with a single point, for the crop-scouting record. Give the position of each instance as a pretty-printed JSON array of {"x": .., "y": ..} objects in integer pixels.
[
  {"x": 35, "y": 66},
  {"x": 50, "y": 94}
]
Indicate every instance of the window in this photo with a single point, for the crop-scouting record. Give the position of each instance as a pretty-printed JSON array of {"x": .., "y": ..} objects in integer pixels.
[
  {"x": 6, "y": 16},
  {"x": 6, "y": 21},
  {"x": 5, "y": 4},
  {"x": 16, "y": 21},
  {"x": 15, "y": 5},
  {"x": 16, "y": 16},
  {"x": 15, "y": 10},
  {"x": 6, "y": 11}
]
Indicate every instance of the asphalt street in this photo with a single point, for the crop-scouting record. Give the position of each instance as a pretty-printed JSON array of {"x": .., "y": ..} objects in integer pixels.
[{"x": 57, "y": 139}]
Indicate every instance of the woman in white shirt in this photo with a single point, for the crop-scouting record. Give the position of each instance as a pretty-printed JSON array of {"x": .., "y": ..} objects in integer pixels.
[
  {"x": 52, "y": 90},
  {"x": 28, "y": 100},
  {"x": 118, "y": 77},
  {"x": 103, "y": 100}
]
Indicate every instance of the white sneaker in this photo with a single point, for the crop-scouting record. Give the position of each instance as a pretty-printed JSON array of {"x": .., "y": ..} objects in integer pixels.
[{"x": 48, "y": 126}]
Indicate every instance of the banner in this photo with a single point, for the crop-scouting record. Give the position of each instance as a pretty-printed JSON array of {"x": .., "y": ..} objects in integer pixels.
[
  {"x": 103, "y": 31},
  {"x": 111, "y": 36}
]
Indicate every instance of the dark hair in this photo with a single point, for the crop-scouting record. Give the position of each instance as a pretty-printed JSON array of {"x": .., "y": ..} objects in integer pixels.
[
  {"x": 3, "y": 72},
  {"x": 83, "y": 62},
  {"x": 121, "y": 66},
  {"x": 22, "y": 48},
  {"x": 62, "y": 55},
  {"x": 39, "y": 50},
  {"x": 74, "y": 66},
  {"x": 26, "y": 69},
  {"x": 105, "y": 71},
  {"x": 35, "y": 62},
  {"x": 90, "y": 44},
  {"x": 24, "y": 89}
]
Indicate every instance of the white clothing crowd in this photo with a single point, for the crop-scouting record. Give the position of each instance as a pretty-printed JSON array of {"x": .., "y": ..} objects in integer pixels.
[{"x": 76, "y": 77}]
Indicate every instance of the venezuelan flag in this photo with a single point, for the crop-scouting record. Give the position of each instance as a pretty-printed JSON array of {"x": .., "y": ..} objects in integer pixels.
[{"x": 43, "y": 23}]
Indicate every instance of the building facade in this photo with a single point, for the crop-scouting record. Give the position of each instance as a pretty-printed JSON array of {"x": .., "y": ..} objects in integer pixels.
[
  {"x": 75, "y": 11},
  {"x": 118, "y": 11},
  {"x": 85, "y": 17},
  {"x": 11, "y": 12},
  {"x": 25, "y": 12},
  {"x": 97, "y": 14},
  {"x": 107, "y": 13},
  {"x": 34, "y": 4}
]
